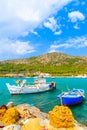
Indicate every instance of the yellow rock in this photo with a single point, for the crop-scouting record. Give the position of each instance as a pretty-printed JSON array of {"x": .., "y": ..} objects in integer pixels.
[{"x": 32, "y": 124}]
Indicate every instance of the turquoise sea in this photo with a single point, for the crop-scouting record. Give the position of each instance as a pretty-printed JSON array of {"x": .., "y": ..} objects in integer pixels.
[{"x": 47, "y": 100}]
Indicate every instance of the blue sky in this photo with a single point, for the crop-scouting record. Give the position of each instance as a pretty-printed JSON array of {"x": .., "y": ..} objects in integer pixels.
[{"x": 35, "y": 27}]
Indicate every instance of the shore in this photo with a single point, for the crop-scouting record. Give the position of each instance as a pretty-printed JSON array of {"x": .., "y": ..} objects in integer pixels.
[{"x": 31, "y": 118}]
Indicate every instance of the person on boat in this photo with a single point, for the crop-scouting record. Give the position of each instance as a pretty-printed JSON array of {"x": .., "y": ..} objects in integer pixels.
[
  {"x": 36, "y": 82},
  {"x": 18, "y": 82},
  {"x": 40, "y": 81}
]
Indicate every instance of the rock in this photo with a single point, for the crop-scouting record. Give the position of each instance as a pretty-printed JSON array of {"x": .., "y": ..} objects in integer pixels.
[
  {"x": 31, "y": 118},
  {"x": 12, "y": 127},
  {"x": 10, "y": 104},
  {"x": 32, "y": 124},
  {"x": 27, "y": 111},
  {"x": 75, "y": 127}
]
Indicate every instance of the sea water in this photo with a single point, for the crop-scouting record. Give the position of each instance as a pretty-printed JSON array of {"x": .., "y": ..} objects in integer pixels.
[{"x": 47, "y": 100}]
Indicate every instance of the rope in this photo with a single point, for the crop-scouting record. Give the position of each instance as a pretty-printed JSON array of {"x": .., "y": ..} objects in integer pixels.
[
  {"x": 61, "y": 100},
  {"x": 42, "y": 104}
]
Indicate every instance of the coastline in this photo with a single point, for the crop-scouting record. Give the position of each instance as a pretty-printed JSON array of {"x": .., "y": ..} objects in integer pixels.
[
  {"x": 29, "y": 112},
  {"x": 50, "y": 98}
]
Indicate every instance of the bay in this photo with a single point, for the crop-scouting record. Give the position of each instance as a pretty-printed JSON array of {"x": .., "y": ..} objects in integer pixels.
[{"x": 47, "y": 100}]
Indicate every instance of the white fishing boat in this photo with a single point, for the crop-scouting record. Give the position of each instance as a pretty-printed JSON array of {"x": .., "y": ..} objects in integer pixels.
[{"x": 39, "y": 85}]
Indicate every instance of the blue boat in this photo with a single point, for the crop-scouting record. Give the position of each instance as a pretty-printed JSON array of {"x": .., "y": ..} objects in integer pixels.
[{"x": 72, "y": 97}]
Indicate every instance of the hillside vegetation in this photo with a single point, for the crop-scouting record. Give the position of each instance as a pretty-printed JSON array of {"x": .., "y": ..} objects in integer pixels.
[{"x": 56, "y": 64}]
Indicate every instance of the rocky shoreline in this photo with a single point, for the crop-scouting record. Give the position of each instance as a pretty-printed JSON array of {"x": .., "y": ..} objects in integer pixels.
[{"x": 31, "y": 118}]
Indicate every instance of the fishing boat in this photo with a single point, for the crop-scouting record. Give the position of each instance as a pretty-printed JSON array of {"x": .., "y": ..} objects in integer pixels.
[
  {"x": 40, "y": 85},
  {"x": 72, "y": 97}
]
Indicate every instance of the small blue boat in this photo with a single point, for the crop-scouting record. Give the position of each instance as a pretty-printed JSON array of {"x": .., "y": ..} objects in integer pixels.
[{"x": 72, "y": 97}]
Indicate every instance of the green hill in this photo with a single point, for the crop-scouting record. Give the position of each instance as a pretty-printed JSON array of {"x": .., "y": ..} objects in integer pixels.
[{"x": 56, "y": 64}]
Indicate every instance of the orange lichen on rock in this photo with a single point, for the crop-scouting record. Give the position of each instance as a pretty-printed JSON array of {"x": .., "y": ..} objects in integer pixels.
[{"x": 61, "y": 116}]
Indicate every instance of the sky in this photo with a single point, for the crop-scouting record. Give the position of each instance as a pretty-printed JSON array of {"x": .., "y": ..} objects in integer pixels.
[{"x": 36, "y": 27}]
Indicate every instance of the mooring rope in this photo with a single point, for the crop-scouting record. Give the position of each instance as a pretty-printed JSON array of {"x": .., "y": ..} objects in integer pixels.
[{"x": 42, "y": 104}]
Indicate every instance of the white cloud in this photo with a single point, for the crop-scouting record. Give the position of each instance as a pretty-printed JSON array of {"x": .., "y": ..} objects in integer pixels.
[
  {"x": 78, "y": 42},
  {"x": 22, "y": 48},
  {"x": 83, "y": 3},
  {"x": 55, "y": 47},
  {"x": 76, "y": 15},
  {"x": 58, "y": 32},
  {"x": 51, "y": 24},
  {"x": 11, "y": 49},
  {"x": 20, "y": 16},
  {"x": 76, "y": 26}
]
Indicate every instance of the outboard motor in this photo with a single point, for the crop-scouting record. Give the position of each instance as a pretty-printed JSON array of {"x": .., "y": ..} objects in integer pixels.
[{"x": 52, "y": 85}]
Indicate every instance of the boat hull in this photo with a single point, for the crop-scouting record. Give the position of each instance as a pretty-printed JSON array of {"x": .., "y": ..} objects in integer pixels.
[
  {"x": 71, "y": 98},
  {"x": 71, "y": 101},
  {"x": 14, "y": 90}
]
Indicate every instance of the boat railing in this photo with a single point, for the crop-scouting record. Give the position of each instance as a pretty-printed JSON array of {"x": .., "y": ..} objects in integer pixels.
[{"x": 78, "y": 93}]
